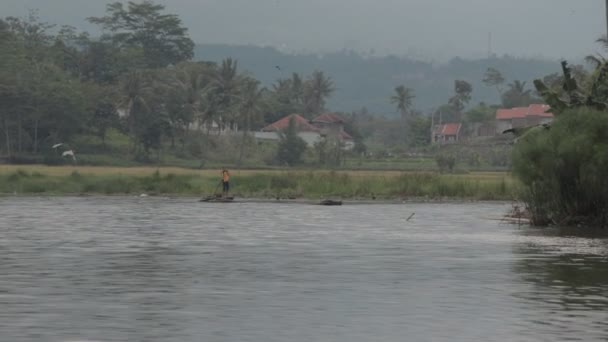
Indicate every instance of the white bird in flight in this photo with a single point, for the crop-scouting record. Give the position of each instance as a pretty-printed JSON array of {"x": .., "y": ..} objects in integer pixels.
[{"x": 69, "y": 153}]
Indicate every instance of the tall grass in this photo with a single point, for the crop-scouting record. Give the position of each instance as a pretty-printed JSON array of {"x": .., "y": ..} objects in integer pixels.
[{"x": 295, "y": 184}]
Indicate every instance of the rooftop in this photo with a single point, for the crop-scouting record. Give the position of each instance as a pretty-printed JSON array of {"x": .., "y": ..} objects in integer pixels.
[
  {"x": 302, "y": 125},
  {"x": 448, "y": 129},
  {"x": 523, "y": 112},
  {"x": 328, "y": 118}
]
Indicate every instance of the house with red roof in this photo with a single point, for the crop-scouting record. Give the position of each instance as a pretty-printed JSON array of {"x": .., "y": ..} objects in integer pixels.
[
  {"x": 306, "y": 130},
  {"x": 302, "y": 125},
  {"x": 332, "y": 125},
  {"x": 322, "y": 127},
  {"x": 448, "y": 133},
  {"x": 532, "y": 115}
]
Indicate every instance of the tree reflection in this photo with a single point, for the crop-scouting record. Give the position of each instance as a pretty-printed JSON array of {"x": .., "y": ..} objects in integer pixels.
[{"x": 569, "y": 272}]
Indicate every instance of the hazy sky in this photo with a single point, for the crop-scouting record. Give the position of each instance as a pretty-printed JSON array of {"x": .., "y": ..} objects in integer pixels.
[{"x": 437, "y": 29}]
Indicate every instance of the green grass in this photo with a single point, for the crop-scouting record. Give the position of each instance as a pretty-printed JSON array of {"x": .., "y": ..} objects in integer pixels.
[{"x": 265, "y": 184}]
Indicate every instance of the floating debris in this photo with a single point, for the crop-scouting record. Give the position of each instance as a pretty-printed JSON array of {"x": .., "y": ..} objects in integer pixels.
[{"x": 330, "y": 202}]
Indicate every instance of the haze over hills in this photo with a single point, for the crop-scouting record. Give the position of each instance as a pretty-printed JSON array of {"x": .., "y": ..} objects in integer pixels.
[
  {"x": 370, "y": 81},
  {"x": 437, "y": 29},
  {"x": 422, "y": 29}
]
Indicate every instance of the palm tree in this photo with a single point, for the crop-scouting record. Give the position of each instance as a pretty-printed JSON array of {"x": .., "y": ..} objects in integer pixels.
[
  {"x": 403, "y": 99},
  {"x": 134, "y": 94},
  {"x": 224, "y": 90},
  {"x": 316, "y": 91},
  {"x": 184, "y": 96},
  {"x": 517, "y": 95},
  {"x": 251, "y": 103},
  {"x": 598, "y": 60},
  {"x": 190, "y": 81},
  {"x": 136, "y": 97},
  {"x": 289, "y": 94},
  {"x": 519, "y": 87},
  {"x": 297, "y": 89}
]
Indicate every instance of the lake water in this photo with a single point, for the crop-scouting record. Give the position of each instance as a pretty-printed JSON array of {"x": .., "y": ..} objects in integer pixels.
[{"x": 153, "y": 269}]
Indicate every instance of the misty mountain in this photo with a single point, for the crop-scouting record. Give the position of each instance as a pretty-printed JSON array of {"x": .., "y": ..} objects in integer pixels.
[{"x": 363, "y": 81}]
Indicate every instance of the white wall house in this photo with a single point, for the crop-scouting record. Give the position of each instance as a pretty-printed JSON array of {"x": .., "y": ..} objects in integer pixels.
[{"x": 311, "y": 133}]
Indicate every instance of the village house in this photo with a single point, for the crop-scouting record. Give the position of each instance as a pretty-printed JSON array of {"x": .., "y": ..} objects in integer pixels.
[
  {"x": 309, "y": 133},
  {"x": 532, "y": 115},
  {"x": 322, "y": 127},
  {"x": 447, "y": 133},
  {"x": 332, "y": 126}
]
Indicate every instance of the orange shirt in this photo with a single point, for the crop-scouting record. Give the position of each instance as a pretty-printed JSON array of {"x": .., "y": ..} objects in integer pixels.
[{"x": 225, "y": 176}]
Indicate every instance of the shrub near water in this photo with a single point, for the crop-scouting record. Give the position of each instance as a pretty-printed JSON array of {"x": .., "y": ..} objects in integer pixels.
[{"x": 564, "y": 170}]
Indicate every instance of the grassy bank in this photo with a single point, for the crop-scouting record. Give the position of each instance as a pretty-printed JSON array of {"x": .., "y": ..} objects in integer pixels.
[{"x": 252, "y": 183}]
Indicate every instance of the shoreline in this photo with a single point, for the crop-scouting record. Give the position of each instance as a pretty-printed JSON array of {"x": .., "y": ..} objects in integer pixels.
[
  {"x": 262, "y": 200},
  {"x": 287, "y": 185}
]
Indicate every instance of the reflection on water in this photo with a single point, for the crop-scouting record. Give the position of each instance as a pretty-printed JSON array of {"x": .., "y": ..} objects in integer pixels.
[
  {"x": 569, "y": 278},
  {"x": 128, "y": 269}
]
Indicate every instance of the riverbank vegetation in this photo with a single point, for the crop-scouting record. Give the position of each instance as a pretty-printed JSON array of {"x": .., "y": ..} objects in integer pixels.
[
  {"x": 562, "y": 166},
  {"x": 263, "y": 184}
]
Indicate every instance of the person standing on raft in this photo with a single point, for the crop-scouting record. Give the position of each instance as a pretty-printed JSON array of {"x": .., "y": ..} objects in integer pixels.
[{"x": 225, "y": 182}]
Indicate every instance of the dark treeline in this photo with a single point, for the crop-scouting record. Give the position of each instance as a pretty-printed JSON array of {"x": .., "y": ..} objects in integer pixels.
[
  {"x": 364, "y": 81},
  {"x": 138, "y": 80}
]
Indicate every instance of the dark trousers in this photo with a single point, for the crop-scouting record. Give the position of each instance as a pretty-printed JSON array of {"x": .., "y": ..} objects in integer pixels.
[{"x": 226, "y": 186}]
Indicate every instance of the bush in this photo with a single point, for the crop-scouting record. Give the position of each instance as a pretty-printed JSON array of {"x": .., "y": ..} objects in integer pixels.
[
  {"x": 446, "y": 162},
  {"x": 562, "y": 169},
  {"x": 291, "y": 146}
]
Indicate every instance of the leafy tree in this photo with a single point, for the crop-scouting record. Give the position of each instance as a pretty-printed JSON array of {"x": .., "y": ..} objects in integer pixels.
[
  {"x": 461, "y": 97},
  {"x": 446, "y": 162},
  {"x": 446, "y": 113},
  {"x": 352, "y": 128},
  {"x": 330, "y": 150},
  {"x": 104, "y": 112},
  {"x": 184, "y": 97},
  {"x": 420, "y": 131},
  {"x": 225, "y": 89},
  {"x": 480, "y": 113},
  {"x": 403, "y": 100},
  {"x": 494, "y": 78},
  {"x": 517, "y": 95},
  {"x": 288, "y": 98},
  {"x": 252, "y": 103},
  {"x": 161, "y": 37},
  {"x": 562, "y": 169},
  {"x": 317, "y": 89},
  {"x": 291, "y": 147},
  {"x": 572, "y": 96},
  {"x": 139, "y": 100}
]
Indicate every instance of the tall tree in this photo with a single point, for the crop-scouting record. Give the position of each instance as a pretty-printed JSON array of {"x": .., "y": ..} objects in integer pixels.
[
  {"x": 224, "y": 89},
  {"x": 494, "y": 78},
  {"x": 161, "y": 37},
  {"x": 185, "y": 99},
  {"x": 403, "y": 99},
  {"x": 594, "y": 96},
  {"x": 461, "y": 98},
  {"x": 139, "y": 101},
  {"x": 317, "y": 89},
  {"x": 291, "y": 146},
  {"x": 251, "y": 107},
  {"x": 517, "y": 95},
  {"x": 288, "y": 97}
]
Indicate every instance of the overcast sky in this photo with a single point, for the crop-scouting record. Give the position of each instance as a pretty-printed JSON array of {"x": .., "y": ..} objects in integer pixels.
[{"x": 438, "y": 29}]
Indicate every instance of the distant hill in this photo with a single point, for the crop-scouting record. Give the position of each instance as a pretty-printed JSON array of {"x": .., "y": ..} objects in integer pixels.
[{"x": 369, "y": 81}]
